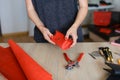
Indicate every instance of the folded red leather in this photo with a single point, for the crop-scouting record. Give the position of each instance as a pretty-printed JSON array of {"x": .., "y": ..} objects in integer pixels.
[
  {"x": 60, "y": 41},
  {"x": 16, "y": 64}
]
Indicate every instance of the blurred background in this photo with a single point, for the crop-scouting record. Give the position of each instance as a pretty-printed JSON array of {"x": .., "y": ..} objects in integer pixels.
[{"x": 15, "y": 24}]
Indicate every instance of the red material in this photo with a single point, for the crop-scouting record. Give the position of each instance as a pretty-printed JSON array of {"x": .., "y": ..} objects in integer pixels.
[
  {"x": 59, "y": 39},
  {"x": 102, "y": 18},
  {"x": 105, "y": 30},
  {"x": 9, "y": 66},
  {"x": 80, "y": 57},
  {"x": 66, "y": 57},
  {"x": 21, "y": 63},
  {"x": 71, "y": 63}
]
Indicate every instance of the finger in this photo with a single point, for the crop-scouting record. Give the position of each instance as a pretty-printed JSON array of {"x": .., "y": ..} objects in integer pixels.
[
  {"x": 73, "y": 44},
  {"x": 74, "y": 41},
  {"x": 48, "y": 39},
  {"x": 50, "y": 34},
  {"x": 66, "y": 36}
]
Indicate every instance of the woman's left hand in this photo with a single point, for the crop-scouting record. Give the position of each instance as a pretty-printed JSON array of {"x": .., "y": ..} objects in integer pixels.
[{"x": 73, "y": 33}]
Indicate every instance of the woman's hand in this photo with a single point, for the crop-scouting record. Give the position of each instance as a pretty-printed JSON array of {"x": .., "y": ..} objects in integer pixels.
[
  {"x": 34, "y": 17},
  {"x": 73, "y": 33},
  {"x": 47, "y": 35}
]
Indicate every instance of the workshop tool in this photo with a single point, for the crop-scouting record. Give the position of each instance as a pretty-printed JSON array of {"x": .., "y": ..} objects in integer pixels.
[
  {"x": 91, "y": 55},
  {"x": 95, "y": 53},
  {"x": 119, "y": 61},
  {"x": 117, "y": 53},
  {"x": 101, "y": 51},
  {"x": 109, "y": 54},
  {"x": 114, "y": 72},
  {"x": 106, "y": 53},
  {"x": 71, "y": 64}
]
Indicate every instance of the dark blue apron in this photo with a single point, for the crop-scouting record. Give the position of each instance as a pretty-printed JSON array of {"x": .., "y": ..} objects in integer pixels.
[{"x": 56, "y": 15}]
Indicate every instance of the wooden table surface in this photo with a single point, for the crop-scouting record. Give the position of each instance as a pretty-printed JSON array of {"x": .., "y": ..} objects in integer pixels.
[{"x": 51, "y": 58}]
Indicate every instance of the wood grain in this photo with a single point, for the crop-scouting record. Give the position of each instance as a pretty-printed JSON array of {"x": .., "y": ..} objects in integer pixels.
[{"x": 51, "y": 58}]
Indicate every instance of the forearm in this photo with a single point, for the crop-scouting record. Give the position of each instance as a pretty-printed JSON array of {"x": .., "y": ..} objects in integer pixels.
[
  {"x": 80, "y": 16},
  {"x": 33, "y": 15}
]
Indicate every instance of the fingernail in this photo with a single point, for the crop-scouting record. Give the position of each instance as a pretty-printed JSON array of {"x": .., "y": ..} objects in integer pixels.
[
  {"x": 51, "y": 36},
  {"x": 66, "y": 38}
]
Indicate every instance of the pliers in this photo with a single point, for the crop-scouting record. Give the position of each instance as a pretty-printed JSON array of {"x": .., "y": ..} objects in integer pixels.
[{"x": 71, "y": 64}]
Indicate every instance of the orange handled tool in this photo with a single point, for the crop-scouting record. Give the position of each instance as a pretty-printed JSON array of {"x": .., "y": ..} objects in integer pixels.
[
  {"x": 80, "y": 57},
  {"x": 67, "y": 58},
  {"x": 76, "y": 63},
  {"x": 71, "y": 63}
]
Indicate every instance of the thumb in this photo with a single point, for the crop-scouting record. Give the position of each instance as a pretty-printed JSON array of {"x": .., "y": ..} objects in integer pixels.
[
  {"x": 50, "y": 34},
  {"x": 67, "y": 36}
]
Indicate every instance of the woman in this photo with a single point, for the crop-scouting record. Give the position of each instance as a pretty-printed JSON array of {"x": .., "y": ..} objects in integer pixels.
[{"x": 61, "y": 15}]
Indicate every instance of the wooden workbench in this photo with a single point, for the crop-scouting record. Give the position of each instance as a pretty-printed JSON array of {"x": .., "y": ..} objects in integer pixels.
[{"x": 51, "y": 58}]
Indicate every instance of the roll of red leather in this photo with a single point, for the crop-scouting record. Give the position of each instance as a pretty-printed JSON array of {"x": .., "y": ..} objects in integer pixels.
[
  {"x": 27, "y": 68},
  {"x": 32, "y": 70},
  {"x": 9, "y": 66}
]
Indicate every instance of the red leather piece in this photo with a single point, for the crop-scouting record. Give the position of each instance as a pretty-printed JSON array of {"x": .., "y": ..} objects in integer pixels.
[
  {"x": 31, "y": 69},
  {"x": 105, "y": 30},
  {"x": 9, "y": 66},
  {"x": 102, "y": 18},
  {"x": 60, "y": 41}
]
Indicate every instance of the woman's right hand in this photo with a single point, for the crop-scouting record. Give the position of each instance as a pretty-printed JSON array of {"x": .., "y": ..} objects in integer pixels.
[
  {"x": 47, "y": 34},
  {"x": 34, "y": 17}
]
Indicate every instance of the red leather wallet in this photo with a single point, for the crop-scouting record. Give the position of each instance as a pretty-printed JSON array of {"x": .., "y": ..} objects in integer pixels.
[{"x": 60, "y": 41}]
